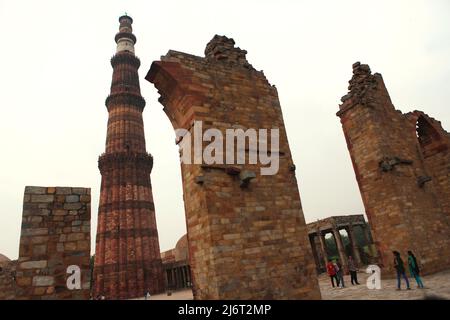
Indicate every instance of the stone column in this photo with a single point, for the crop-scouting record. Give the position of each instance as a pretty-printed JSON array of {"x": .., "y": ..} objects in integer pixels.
[
  {"x": 174, "y": 278},
  {"x": 189, "y": 275},
  {"x": 183, "y": 273},
  {"x": 355, "y": 250},
  {"x": 323, "y": 247},
  {"x": 178, "y": 277},
  {"x": 314, "y": 251},
  {"x": 167, "y": 276},
  {"x": 341, "y": 250},
  {"x": 365, "y": 229}
]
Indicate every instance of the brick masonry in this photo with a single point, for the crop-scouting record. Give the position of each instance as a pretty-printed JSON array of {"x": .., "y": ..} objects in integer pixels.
[
  {"x": 402, "y": 165},
  {"x": 7, "y": 280},
  {"x": 244, "y": 242},
  {"x": 56, "y": 224}
]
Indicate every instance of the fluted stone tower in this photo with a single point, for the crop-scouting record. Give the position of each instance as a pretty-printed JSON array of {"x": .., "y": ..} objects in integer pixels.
[{"x": 127, "y": 256}]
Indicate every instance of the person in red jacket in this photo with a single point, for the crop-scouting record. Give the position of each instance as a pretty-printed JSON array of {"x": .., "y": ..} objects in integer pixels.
[{"x": 332, "y": 273}]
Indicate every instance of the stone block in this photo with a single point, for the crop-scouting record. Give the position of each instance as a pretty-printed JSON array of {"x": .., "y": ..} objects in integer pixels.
[
  {"x": 63, "y": 190},
  {"x": 34, "y": 264},
  {"x": 73, "y": 206},
  {"x": 43, "y": 281},
  {"x": 42, "y": 198},
  {"x": 79, "y": 191},
  {"x": 39, "y": 250},
  {"x": 35, "y": 190},
  {"x": 72, "y": 198}
]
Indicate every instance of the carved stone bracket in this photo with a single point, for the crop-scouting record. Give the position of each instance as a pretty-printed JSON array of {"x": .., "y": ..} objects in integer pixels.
[{"x": 388, "y": 163}]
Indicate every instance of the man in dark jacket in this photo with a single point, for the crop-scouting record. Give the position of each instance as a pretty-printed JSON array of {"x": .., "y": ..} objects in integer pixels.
[{"x": 400, "y": 268}]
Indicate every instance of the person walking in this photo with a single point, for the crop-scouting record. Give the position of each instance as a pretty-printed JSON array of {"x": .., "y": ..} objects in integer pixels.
[
  {"x": 353, "y": 270},
  {"x": 414, "y": 269},
  {"x": 331, "y": 271},
  {"x": 339, "y": 273},
  {"x": 400, "y": 268}
]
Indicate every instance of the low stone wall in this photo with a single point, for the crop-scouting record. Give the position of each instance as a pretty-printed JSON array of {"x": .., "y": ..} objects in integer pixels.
[
  {"x": 55, "y": 235},
  {"x": 7, "y": 280}
]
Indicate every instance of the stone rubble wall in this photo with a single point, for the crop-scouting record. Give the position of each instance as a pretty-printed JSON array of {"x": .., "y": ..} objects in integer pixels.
[
  {"x": 7, "y": 280},
  {"x": 55, "y": 235}
]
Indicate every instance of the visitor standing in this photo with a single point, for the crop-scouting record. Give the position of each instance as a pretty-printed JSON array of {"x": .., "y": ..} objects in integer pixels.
[
  {"x": 339, "y": 273},
  {"x": 332, "y": 273},
  {"x": 353, "y": 270},
  {"x": 400, "y": 268},
  {"x": 414, "y": 269}
]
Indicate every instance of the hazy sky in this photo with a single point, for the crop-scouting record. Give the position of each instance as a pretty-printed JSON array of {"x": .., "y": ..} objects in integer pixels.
[{"x": 56, "y": 74}]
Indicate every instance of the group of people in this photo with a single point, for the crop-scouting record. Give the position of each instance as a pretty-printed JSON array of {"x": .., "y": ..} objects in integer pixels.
[
  {"x": 336, "y": 273},
  {"x": 413, "y": 267}
]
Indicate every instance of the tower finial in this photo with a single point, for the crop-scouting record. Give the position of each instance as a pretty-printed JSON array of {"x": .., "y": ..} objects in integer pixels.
[{"x": 125, "y": 39}]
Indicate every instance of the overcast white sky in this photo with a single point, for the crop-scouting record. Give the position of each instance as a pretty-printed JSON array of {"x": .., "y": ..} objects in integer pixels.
[{"x": 55, "y": 76}]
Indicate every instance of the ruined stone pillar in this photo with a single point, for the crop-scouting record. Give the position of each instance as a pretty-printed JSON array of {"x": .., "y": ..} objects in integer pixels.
[
  {"x": 341, "y": 250},
  {"x": 400, "y": 162},
  {"x": 183, "y": 277},
  {"x": 314, "y": 251},
  {"x": 245, "y": 224},
  {"x": 174, "y": 278},
  {"x": 366, "y": 233},
  {"x": 354, "y": 245}
]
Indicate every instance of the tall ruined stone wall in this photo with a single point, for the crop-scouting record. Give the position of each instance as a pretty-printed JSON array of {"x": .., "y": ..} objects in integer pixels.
[
  {"x": 55, "y": 235},
  {"x": 245, "y": 241},
  {"x": 403, "y": 180}
]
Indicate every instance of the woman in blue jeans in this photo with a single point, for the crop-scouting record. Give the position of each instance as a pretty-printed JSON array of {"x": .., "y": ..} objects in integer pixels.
[
  {"x": 414, "y": 269},
  {"x": 400, "y": 268}
]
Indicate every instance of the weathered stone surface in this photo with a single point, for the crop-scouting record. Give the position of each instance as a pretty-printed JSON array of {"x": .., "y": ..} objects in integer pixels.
[
  {"x": 63, "y": 190},
  {"x": 43, "y": 257},
  {"x": 72, "y": 198},
  {"x": 223, "y": 91},
  {"x": 42, "y": 198},
  {"x": 80, "y": 191},
  {"x": 73, "y": 206},
  {"x": 391, "y": 154},
  {"x": 43, "y": 281},
  {"x": 35, "y": 190}
]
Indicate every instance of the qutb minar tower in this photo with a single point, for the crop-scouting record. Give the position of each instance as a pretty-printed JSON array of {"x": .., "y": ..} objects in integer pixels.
[{"x": 127, "y": 255}]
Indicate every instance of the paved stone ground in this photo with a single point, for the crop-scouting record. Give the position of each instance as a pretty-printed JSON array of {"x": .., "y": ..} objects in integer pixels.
[{"x": 436, "y": 285}]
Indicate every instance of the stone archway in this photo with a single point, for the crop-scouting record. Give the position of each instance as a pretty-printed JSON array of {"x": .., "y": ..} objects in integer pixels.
[{"x": 247, "y": 234}]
